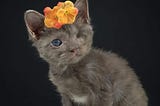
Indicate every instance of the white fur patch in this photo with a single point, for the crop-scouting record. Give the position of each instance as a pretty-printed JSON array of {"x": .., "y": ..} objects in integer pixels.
[{"x": 78, "y": 99}]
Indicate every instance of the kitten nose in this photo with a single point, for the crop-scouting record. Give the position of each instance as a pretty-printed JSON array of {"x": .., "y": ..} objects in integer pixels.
[{"x": 74, "y": 50}]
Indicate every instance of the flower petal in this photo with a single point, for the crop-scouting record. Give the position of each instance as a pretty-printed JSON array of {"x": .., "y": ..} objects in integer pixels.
[{"x": 68, "y": 3}]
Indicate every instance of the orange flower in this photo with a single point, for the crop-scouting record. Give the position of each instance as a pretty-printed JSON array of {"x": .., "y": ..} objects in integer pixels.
[{"x": 63, "y": 13}]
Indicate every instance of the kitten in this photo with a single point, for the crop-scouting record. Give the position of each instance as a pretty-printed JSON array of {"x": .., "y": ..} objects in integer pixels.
[{"x": 84, "y": 76}]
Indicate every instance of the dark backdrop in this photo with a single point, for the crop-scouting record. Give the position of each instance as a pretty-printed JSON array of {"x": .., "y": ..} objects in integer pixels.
[{"x": 129, "y": 28}]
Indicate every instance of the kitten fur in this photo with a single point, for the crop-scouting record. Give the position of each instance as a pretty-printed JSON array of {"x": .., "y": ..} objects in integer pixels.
[{"x": 84, "y": 76}]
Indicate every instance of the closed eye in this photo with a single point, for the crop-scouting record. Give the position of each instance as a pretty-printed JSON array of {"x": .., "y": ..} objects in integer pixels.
[{"x": 83, "y": 35}]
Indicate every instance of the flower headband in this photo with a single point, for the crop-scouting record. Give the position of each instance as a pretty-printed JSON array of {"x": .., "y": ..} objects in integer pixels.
[{"x": 63, "y": 13}]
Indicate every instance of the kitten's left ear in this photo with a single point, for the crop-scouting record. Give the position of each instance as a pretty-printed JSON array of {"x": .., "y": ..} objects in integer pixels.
[
  {"x": 83, "y": 14},
  {"x": 34, "y": 22}
]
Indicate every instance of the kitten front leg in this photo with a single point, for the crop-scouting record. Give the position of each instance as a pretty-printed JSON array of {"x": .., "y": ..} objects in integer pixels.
[{"x": 66, "y": 101}]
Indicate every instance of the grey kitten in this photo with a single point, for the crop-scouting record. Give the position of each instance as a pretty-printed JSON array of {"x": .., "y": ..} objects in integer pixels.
[{"x": 84, "y": 76}]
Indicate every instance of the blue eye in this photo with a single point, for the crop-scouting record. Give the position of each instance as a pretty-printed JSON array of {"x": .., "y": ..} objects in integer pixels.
[{"x": 56, "y": 42}]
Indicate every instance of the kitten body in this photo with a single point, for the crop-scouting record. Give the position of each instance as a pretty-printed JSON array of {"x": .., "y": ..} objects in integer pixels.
[{"x": 84, "y": 76}]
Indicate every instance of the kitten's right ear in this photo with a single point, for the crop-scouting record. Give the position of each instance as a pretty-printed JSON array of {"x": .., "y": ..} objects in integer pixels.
[
  {"x": 83, "y": 14},
  {"x": 34, "y": 22}
]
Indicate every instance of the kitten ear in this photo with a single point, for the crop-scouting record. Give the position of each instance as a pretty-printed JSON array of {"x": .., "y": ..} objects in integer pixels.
[
  {"x": 83, "y": 14},
  {"x": 34, "y": 22}
]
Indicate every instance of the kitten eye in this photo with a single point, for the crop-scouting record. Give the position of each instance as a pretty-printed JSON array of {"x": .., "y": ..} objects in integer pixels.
[{"x": 56, "y": 42}]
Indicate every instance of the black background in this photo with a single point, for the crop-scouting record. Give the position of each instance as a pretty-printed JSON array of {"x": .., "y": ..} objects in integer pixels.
[{"x": 129, "y": 28}]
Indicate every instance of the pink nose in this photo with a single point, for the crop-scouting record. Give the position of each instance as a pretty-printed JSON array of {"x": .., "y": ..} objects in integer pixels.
[{"x": 74, "y": 50}]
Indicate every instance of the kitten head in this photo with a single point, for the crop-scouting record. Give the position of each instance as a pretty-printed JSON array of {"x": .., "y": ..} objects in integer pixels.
[{"x": 66, "y": 45}]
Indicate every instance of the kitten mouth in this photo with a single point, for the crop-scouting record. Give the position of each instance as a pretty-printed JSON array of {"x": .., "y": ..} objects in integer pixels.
[
  {"x": 75, "y": 58},
  {"x": 73, "y": 55}
]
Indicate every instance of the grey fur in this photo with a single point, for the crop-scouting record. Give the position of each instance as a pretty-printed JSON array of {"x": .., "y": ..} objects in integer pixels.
[{"x": 95, "y": 77}]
